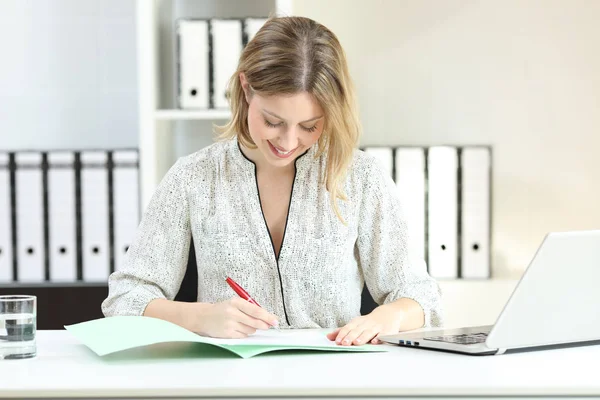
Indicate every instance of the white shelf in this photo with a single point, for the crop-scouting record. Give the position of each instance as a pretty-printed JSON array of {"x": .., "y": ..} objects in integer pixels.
[{"x": 192, "y": 114}]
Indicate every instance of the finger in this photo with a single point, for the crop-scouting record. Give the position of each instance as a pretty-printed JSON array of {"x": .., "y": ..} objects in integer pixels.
[
  {"x": 252, "y": 322},
  {"x": 256, "y": 312},
  {"x": 234, "y": 315},
  {"x": 376, "y": 341},
  {"x": 231, "y": 331},
  {"x": 342, "y": 337},
  {"x": 237, "y": 330},
  {"x": 367, "y": 335},
  {"x": 351, "y": 337},
  {"x": 244, "y": 329},
  {"x": 332, "y": 335}
]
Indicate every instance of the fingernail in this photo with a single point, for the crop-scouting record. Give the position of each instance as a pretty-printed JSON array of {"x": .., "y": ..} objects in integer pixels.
[
  {"x": 345, "y": 341},
  {"x": 357, "y": 340},
  {"x": 275, "y": 323}
]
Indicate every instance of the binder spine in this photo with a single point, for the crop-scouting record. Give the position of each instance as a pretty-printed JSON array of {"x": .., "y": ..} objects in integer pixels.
[
  {"x": 30, "y": 216},
  {"x": 125, "y": 195},
  {"x": 385, "y": 158},
  {"x": 96, "y": 264},
  {"x": 476, "y": 213},
  {"x": 193, "y": 63},
  {"x": 443, "y": 212},
  {"x": 251, "y": 26},
  {"x": 62, "y": 216},
  {"x": 6, "y": 246},
  {"x": 178, "y": 69},
  {"x": 410, "y": 180}
]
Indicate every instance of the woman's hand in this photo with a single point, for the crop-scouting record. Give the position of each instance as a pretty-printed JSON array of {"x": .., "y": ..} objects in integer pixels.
[
  {"x": 384, "y": 320},
  {"x": 235, "y": 318}
]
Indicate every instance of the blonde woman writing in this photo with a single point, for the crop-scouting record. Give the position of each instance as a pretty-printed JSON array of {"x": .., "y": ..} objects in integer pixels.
[{"x": 285, "y": 205}]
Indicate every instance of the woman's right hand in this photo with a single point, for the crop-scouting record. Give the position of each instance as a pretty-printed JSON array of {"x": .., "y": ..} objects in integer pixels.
[{"x": 235, "y": 318}]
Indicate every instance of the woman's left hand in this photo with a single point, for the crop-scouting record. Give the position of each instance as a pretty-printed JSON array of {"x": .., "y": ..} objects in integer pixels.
[{"x": 385, "y": 319}]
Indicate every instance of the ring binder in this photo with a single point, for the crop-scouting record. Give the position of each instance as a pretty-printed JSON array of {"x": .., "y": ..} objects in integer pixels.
[
  {"x": 29, "y": 217},
  {"x": 62, "y": 217},
  {"x": 6, "y": 250}
]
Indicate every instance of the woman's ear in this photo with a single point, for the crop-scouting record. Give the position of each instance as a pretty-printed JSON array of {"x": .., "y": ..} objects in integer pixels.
[{"x": 245, "y": 86}]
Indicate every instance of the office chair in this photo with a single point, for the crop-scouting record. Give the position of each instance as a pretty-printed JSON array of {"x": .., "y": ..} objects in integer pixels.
[{"x": 188, "y": 291}]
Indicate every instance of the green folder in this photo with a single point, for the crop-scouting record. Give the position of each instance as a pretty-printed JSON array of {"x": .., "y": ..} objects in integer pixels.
[{"x": 112, "y": 334}]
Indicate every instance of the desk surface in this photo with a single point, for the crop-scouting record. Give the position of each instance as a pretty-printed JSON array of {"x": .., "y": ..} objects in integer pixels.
[{"x": 66, "y": 368}]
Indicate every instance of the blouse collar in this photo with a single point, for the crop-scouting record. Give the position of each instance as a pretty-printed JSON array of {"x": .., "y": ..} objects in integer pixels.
[{"x": 302, "y": 162}]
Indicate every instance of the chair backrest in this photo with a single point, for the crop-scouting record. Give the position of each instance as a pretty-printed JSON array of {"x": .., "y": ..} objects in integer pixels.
[{"x": 188, "y": 291}]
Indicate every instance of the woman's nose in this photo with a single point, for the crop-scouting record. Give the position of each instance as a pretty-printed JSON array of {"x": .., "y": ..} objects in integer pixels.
[{"x": 288, "y": 140}]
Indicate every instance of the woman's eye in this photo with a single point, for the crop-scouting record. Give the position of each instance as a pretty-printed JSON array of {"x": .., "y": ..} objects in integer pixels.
[
  {"x": 311, "y": 129},
  {"x": 270, "y": 125}
]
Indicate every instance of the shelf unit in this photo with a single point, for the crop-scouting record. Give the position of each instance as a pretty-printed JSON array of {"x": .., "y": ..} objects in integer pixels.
[
  {"x": 166, "y": 132},
  {"x": 60, "y": 304},
  {"x": 191, "y": 115}
]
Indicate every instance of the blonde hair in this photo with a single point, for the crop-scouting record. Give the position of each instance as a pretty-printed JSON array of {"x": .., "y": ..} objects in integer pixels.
[{"x": 289, "y": 55}]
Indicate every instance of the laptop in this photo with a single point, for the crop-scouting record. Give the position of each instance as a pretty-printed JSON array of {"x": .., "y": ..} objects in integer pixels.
[{"x": 555, "y": 304}]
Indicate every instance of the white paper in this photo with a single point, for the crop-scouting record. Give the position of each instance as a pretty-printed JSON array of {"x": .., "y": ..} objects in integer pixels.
[{"x": 296, "y": 337}]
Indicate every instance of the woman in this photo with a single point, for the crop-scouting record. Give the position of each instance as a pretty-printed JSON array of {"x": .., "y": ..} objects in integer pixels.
[{"x": 285, "y": 205}]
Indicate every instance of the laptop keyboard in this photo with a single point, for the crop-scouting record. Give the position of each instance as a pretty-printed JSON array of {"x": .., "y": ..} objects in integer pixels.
[{"x": 470, "y": 338}]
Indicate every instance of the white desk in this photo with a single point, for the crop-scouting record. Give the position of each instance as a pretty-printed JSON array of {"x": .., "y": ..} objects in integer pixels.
[{"x": 64, "y": 368}]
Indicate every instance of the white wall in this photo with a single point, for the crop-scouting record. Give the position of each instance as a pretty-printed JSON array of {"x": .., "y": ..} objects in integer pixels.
[
  {"x": 520, "y": 75},
  {"x": 68, "y": 74}
]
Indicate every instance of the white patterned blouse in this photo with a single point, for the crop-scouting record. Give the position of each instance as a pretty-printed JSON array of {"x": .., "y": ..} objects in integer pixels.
[{"x": 211, "y": 197}]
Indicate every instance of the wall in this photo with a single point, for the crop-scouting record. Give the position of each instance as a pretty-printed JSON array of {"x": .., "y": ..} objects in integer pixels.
[
  {"x": 68, "y": 77},
  {"x": 520, "y": 75}
]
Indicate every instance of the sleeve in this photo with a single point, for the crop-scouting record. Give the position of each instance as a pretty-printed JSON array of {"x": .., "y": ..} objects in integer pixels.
[
  {"x": 389, "y": 266},
  {"x": 157, "y": 258}
]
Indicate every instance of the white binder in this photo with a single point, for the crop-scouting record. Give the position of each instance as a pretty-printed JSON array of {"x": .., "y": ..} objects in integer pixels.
[
  {"x": 30, "y": 217},
  {"x": 410, "y": 180},
  {"x": 126, "y": 203},
  {"x": 94, "y": 216},
  {"x": 475, "y": 212},
  {"x": 442, "y": 166},
  {"x": 193, "y": 63},
  {"x": 226, "y": 51},
  {"x": 6, "y": 254},
  {"x": 62, "y": 217},
  {"x": 384, "y": 157},
  {"x": 252, "y": 26}
]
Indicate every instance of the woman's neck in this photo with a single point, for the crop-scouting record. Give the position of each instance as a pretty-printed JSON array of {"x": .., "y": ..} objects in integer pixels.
[{"x": 263, "y": 166}]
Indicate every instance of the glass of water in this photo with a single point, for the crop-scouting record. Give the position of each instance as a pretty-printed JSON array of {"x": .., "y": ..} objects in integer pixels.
[{"x": 17, "y": 326}]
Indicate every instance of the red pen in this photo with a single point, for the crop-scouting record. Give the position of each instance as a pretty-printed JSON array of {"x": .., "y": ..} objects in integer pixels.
[{"x": 242, "y": 293}]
